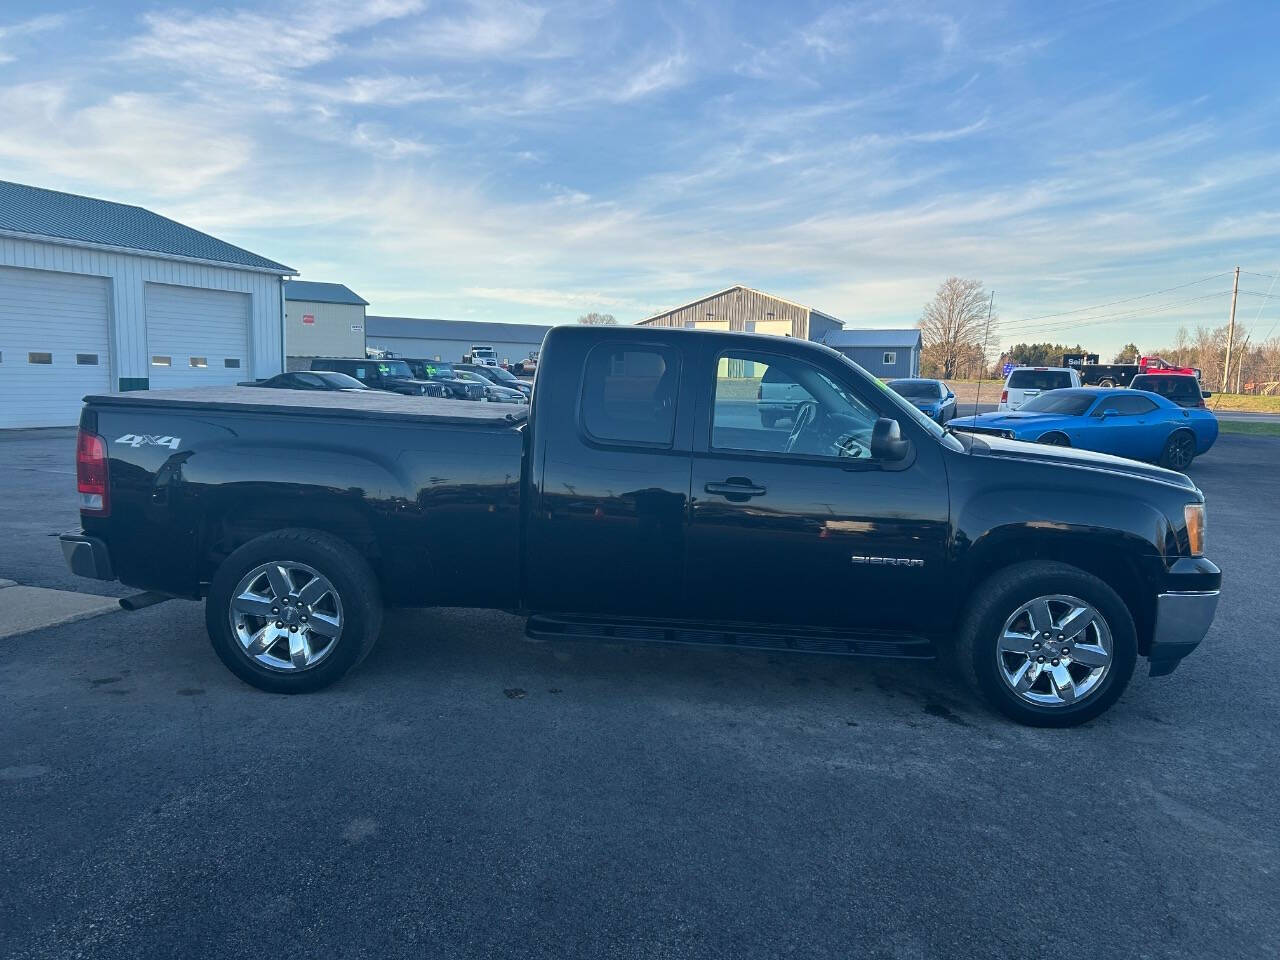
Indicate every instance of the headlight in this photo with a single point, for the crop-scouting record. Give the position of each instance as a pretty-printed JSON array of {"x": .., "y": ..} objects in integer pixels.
[{"x": 1193, "y": 513}]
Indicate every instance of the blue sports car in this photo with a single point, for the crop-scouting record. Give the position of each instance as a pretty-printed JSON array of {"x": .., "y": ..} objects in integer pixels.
[{"x": 1128, "y": 423}]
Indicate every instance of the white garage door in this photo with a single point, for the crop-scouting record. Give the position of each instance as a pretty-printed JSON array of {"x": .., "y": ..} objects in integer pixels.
[
  {"x": 53, "y": 346},
  {"x": 195, "y": 337}
]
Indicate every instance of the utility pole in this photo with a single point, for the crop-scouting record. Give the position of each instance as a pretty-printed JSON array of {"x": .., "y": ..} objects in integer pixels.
[{"x": 1231, "y": 330}]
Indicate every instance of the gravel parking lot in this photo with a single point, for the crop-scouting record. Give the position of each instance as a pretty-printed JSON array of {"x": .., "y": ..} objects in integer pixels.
[{"x": 469, "y": 794}]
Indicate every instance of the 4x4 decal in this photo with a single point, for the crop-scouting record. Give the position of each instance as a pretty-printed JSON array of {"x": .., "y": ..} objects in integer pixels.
[{"x": 136, "y": 440}]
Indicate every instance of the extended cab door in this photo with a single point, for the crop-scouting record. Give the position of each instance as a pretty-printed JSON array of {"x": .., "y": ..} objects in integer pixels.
[
  {"x": 793, "y": 523},
  {"x": 611, "y": 447}
]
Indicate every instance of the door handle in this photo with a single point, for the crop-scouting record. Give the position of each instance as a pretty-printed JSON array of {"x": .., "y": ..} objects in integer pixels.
[{"x": 736, "y": 488}]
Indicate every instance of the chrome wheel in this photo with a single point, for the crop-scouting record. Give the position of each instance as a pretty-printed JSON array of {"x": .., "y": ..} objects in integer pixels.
[
  {"x": 1054, "y": 651},
  {"x": 286, "y": 615}
]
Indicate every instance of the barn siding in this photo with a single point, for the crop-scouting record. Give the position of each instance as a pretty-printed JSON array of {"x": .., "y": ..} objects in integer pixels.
[
  {"x": 127, "y": 275},
  {"x": 745, "y": 310}
]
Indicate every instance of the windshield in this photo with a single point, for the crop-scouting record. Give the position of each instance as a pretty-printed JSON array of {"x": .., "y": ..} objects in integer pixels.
[
  {"x": 436, "y": 370},
  {"x": 916, "y": 389},
  {"x": 1068, "y": 403},
  {"x": 394, "y": 368},
  {"x": 340, "y": 381},
  {"x": 501, "y": 374},
  {"x": 1181, "y": 387},
  {"x": 906, "y": 411}
]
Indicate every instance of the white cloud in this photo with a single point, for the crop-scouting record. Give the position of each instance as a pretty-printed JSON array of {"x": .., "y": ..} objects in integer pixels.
[
  {"x": 486, "y": 28},
  {"x": 257, "y": 48},
  {"x": 127, "y": 140},
  {"x": 26, "y": 28}
]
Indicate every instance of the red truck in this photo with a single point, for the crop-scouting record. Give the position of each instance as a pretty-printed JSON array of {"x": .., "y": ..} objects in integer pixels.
[{"x": 1093, "y": 373}]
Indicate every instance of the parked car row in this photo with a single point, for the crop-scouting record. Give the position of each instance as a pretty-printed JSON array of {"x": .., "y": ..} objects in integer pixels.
[
  {"x": 1158, "y": 417},
  {"x": 419, "y": 378}
]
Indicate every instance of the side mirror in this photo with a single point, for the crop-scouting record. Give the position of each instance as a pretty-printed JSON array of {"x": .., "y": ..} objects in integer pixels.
[
  {"x": 1206, "y": 394},
  {"x": 887, "y": 442},
  {"x": 1110, "y": 412},
  {"x": 950, "y": 395}
]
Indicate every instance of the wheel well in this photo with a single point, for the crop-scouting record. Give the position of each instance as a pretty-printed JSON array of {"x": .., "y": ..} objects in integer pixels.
[
  {"x": 1111, "y": 564},
  {"x": 1053, "y": 433},
  {"x": 235, "y": 526}
]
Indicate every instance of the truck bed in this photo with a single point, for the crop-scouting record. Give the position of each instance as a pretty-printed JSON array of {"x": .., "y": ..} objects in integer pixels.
[{"x": 374, "y": 405}]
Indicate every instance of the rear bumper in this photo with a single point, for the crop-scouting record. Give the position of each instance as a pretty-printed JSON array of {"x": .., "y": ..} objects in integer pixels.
[
  {"x": 87, "y": 556},
  {"x": 1184, "y": 612}
]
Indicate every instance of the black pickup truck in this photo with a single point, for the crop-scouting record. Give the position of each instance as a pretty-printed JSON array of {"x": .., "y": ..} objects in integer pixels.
[{"x": 643, "y": 499}]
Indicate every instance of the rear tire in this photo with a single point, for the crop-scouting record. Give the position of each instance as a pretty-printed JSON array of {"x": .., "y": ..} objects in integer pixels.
[
  {"x": 1106, "y": 382},
  {"x": 992, "y": 618},
  {"x": 768, "y": 420},
  {"x": 351, "y": 608},
  {"x": 1179, "y": 450}
]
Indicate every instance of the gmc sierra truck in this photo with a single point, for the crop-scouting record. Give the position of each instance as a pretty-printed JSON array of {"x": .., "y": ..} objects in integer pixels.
[{"x": 646, "y": 499}]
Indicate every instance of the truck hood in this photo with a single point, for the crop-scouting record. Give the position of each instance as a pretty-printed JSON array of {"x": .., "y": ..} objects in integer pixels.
[{"x": 981, "y": 445}]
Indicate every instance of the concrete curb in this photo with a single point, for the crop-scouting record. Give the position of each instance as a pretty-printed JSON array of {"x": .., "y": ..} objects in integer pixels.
[{"x": 24, "y": 609}]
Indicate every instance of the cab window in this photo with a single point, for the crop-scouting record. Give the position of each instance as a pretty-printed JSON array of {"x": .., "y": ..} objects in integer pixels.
[
  {"x": 767, "y": 403},
  {"x": 629, "y": 394}
]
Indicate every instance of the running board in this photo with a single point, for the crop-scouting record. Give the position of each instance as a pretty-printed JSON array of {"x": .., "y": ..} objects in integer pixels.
[{"x": 741, "y": 637}]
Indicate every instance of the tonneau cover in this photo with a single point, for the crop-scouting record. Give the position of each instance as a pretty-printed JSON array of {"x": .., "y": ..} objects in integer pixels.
[{"x": 375, "y": 404}]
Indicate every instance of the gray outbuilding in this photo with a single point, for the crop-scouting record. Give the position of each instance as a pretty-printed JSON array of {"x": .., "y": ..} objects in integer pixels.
[
  {"x": 322, "y": 320},
  {"x": 97, "y": 296},
  {"x": 882, "y": 353}
]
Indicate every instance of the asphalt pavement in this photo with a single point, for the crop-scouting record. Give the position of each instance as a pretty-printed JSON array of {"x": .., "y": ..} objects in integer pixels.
[{"x": 466, "y": 793}]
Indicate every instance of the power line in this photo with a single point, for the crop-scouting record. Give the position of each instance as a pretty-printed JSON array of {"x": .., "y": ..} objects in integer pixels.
[
  {"x": 1112, "y": 303},
  {"x": 1018, "y": 326}
]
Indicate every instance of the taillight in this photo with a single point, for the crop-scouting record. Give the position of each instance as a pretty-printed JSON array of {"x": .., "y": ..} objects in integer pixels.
[
  {"x": 91, "y": 474},
  {"x": 1004, "y": 396}
]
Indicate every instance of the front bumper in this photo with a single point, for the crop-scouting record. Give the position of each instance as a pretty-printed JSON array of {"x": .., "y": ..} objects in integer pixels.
[
  {"x": 87, "y": 556},
  {"x": 1184, "y": 612}
]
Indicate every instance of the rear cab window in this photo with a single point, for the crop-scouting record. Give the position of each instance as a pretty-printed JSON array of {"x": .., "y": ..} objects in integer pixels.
[
  {"x": 1173, "y": 387},
  {"x": 629, "y": 394},
  {"x": 1039, "y": 380}
]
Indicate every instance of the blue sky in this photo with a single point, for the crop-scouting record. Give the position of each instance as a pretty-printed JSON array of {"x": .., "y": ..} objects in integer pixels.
[{"x": 531, "y": 161}]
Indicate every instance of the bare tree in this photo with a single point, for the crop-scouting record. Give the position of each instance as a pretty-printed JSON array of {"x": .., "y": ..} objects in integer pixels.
[
  {"x": 598, "y": 319},
  {"x": 954, "y": 327}
]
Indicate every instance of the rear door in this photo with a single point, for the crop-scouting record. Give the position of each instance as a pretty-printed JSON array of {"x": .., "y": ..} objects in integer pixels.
[
  {"x": 606, "y": 528},
  {"x": 785, "y": 529}
]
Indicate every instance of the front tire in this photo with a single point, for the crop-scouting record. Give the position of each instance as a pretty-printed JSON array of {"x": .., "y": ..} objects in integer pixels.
[
  {"x": 1047, "y": 644},
  {"x": 293, "y": 610},
  {"x": 768, "y": 420}
]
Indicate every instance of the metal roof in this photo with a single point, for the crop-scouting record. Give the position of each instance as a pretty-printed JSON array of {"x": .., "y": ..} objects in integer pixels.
[
  {"x": 36, "y": 212},
  {"x": 737, "y": 286},
  {"x": 315, "y": 292},
  {"x": 474, "y": 331},
  {"x": 873, "y": 338}
]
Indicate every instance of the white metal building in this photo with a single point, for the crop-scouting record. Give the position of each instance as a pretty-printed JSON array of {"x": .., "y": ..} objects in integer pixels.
[
  {"x": 450, "y": 339},
  {"x": 98, "y": 296}
]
